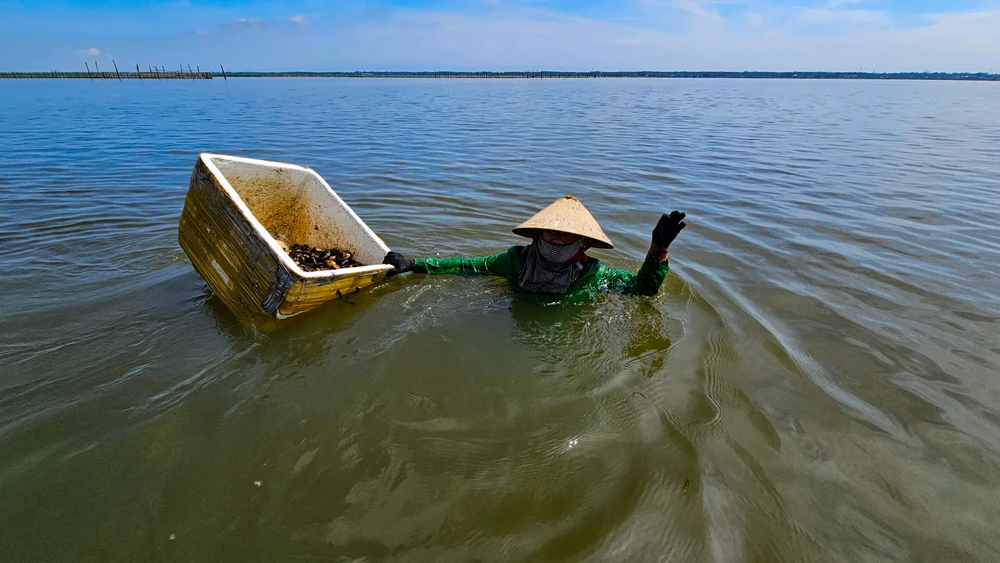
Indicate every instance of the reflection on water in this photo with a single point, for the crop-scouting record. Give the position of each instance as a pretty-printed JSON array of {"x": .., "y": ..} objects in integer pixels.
[{"x": 816, "y": 380}]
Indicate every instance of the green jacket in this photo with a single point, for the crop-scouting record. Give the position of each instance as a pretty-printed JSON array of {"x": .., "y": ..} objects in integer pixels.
[{"x": 594, "y": 277}]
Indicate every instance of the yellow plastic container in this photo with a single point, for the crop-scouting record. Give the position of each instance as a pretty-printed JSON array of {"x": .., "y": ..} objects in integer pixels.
[{"x": 235, "y": 212}]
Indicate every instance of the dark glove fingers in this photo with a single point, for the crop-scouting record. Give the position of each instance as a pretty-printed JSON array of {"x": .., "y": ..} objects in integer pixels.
[
  {"x": 659, "y": 234},
  {"x": 668, "y": 227},
  {"x": 392, "y": 259},
  {"x": 399, "y": 263}
]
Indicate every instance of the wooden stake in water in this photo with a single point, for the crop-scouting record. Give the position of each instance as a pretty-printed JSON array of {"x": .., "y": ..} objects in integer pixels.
[
  {"x": 98, "y": 69},
  {"x": 137, "y": 71},
  {"x": 116, "y": 70},
  {"x": 88, "y": 70},
  {"x": 224, "y": 79}
]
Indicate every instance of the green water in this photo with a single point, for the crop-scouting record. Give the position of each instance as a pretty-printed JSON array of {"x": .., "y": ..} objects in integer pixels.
[{"x": 816, "y": 381}]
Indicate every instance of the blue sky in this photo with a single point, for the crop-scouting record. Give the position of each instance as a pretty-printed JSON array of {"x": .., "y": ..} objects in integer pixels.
[{"x": 879, "y": 35}]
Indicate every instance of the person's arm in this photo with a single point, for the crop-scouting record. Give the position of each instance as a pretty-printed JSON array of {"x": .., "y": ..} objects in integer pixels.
[
  {"x": 654, "y": 268},
  {"x": 492, "y": 265},
  {"x": 497, "y": 264},
  {"x": 647, "y": 282}
]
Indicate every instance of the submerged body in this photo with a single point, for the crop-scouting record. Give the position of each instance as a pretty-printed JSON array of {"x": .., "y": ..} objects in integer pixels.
[
  {"x": 593, "y": 276},
  {"x": 556, "y": 261}
]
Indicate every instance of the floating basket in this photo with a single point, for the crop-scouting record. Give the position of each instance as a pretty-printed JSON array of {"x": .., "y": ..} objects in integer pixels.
[{"x": 237, "y": 210}]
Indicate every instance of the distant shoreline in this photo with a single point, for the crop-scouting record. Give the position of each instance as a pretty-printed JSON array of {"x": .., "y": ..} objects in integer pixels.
[{"x": 174, "y": 75}]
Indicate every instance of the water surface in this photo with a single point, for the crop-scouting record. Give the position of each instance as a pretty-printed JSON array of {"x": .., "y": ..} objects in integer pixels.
[{"x": 816, "y": 381}]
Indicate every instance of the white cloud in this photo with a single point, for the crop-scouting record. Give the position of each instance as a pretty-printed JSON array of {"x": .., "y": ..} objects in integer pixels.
[
  {"x": 517, "y": 40},
  {"x": 246, "y": 23},
  {"x": 826, "y": 16},
  {"x": 754, "y": 35},
  {"x": 270, "y": 24},
  {"x": 694, "y": 7},
  {"x": 93, "y": 52},
  {"x": 986, "y": 18},
  {"x": 755, "y": 19}
]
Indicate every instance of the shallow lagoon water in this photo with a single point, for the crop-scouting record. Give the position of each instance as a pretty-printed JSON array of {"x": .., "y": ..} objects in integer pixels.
[{"x": 817, "y": 380}]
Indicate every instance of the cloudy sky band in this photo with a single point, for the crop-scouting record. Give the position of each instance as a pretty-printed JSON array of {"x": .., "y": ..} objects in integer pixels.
[{"x": 884, "y": 35}]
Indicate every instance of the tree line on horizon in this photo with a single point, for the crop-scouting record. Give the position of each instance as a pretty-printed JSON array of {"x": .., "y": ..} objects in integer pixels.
[{"x": 926, "y": 75}]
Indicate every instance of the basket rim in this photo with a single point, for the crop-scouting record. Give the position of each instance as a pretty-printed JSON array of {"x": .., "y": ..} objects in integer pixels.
[{"x": 207, "y": 158}]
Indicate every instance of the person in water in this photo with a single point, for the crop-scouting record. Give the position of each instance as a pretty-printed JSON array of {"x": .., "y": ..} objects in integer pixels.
[{"x": 556, "y": 261}]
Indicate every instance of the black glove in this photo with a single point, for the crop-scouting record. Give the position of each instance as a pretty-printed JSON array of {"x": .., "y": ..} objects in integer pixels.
[
  {"x": 668, "y": 228},
  {"x": 400, "y": 262}
]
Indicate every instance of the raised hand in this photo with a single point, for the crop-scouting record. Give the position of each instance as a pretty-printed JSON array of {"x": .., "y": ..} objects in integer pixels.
[{"x": 668, "y": 227}]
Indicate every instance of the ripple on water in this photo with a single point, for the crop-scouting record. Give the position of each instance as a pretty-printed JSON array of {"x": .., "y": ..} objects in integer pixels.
[{"x": 817, "y": 377}]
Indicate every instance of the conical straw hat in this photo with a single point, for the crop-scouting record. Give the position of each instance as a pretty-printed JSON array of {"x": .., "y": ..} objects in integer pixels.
[{"x": 567, "y": 215}]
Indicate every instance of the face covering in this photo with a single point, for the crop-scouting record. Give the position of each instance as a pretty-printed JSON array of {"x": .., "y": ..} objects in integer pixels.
[{"x": 547, "y": 269}]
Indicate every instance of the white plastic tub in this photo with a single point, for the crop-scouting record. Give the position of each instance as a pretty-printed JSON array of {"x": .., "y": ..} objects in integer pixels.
[{"x": 236, "y": 209}]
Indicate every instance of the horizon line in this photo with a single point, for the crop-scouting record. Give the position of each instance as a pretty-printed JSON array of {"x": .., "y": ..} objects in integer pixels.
[{"x": 163, "y": 73}]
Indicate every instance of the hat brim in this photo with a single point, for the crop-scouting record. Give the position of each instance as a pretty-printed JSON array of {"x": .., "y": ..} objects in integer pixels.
[
  {"x": 532, "y": 232},
  {"x": 566, "y": 215}
]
